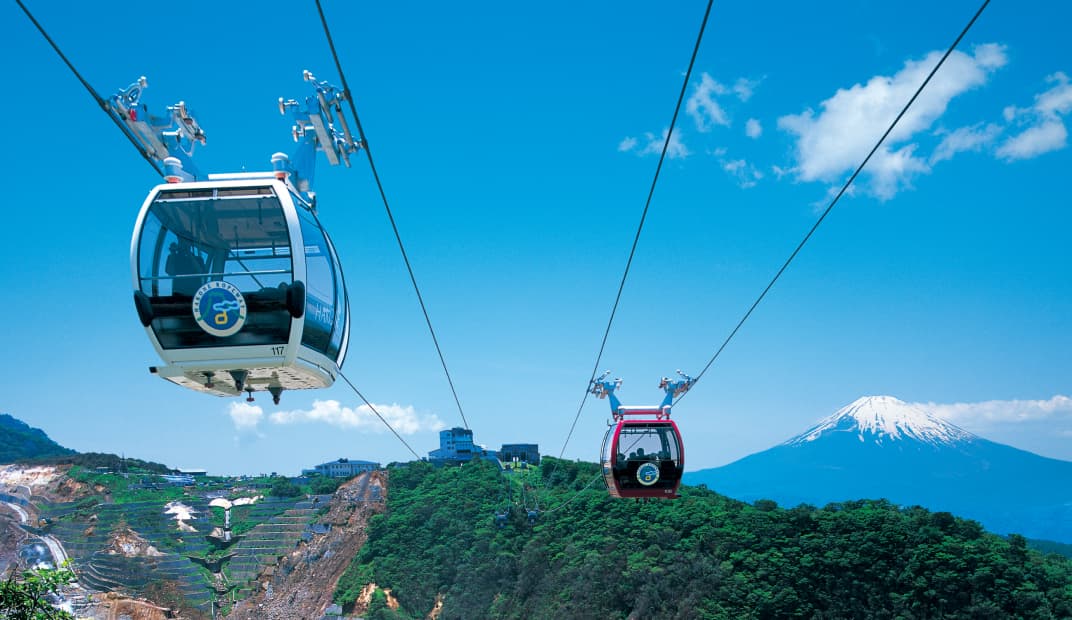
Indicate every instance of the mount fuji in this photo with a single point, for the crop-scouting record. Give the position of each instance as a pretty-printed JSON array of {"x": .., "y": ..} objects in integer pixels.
[{"x": 881, "y": 447}]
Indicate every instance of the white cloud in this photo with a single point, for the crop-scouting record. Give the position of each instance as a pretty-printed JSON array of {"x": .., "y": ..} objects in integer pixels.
[
  {"x": 1049, "y": 135},
  {"x": 744, "y": 88},
  {"x": 1045, "y": 130},
  {"x": 746, "y": 174},
  {"x": 702, "y": 106},
  {"x": 1057, "y": 100},
  {"x": 244, "y": 416},
  {"x": 676, "y": 149},
  {"x": 403, "y": 419},
  {"x": 836, "y": 140},
  {"x": 706, "y": 112},
  {"x": 753, "y": 129},
  {"x": 821, "y": 204},
  {"x": 990, "y": 56},
  {"x": 894, "y": 171},
  {"x": 1003, "y": 411},
  {"x": 971, "y": 138}
]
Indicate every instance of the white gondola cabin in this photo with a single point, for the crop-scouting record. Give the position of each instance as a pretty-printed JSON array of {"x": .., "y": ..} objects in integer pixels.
[{"x": 239, "y": 287}]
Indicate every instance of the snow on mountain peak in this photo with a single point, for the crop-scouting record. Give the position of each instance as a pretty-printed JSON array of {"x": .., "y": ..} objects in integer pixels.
[{"x": 885, "y": 417}]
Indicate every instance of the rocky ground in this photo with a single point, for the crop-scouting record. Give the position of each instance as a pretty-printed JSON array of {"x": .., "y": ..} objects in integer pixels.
[
  {"x": 44, "y": 481},
  {"x": 10, "y": 537},
  {"x": 111, "y": 606},
  {"x": 18, "y": 484},
  {"x": 302, "y": 584}
]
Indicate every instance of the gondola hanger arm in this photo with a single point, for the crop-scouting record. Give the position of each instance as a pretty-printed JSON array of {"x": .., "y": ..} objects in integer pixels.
[
  {"x": 319, "y": 125},
  {"x": 168, "y": 139},
  {"x": 603, "y": 388}
]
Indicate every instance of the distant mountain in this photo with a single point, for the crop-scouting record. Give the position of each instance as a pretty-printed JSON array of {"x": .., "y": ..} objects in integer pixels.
[
  {"x": 19, "y": 440},
  {"x": 1049, "y": 546},
  {"x": 881, "y": 447}
]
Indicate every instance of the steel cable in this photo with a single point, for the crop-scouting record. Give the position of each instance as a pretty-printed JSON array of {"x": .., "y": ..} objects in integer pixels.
[
  {"x": 640, "y": 228},
  {"x": 92, "y": 92},
  {"x": 840, "y": 193},
  {"x": 387, "y": 206},
  {"x": 382, "y": 419}
]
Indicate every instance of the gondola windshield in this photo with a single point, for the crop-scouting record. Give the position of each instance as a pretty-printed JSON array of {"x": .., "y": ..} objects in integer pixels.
[
  {"x": 648, "y": 442},
  {"x": 325, "y": 301},
  {"x": 233, "y": 236}
]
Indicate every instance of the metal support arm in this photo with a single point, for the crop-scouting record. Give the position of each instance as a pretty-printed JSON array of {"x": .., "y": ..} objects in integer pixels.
[
  {"x": 159, "y": 137},
  {"x": 319, "y": 125},
  {"x": 674, "y": 389},
  {"x": 602, "y": 388}
]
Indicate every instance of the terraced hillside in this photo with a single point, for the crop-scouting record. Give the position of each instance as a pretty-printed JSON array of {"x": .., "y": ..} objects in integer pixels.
[
  {"x": 301, "y": 583},
  {"x": 168, "y": 546},
  {"x": 281, "y": 524}
]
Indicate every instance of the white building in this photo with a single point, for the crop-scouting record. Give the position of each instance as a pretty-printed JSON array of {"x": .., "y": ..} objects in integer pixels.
[{"x": 342, "y": 468}]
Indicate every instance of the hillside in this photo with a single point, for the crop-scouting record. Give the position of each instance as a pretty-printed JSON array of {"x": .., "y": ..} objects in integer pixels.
[
  {"x": 703, "y": 556},
  {"x": 19, "y": 441},
  {"x": 214, "y": 545},
  {"x": 881, "y": 447}
]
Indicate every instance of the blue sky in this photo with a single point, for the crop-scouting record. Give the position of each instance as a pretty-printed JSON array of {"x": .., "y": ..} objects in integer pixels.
[{"x": 514, "y": 142}]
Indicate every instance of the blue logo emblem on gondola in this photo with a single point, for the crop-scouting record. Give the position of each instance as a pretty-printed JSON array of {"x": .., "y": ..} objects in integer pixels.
[
  {"x": 219, "y": 309},
  {"x": 647, "y": 474}
]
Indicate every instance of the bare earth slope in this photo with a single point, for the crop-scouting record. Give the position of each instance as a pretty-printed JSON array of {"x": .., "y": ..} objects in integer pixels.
[{"x": 302, "y": 584}]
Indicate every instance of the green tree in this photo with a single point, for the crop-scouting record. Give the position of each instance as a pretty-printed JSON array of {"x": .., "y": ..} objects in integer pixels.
[
  {"x": 24, "y": 597},
  {"x": 588, "y": 555},
  {"x": 324, "y": 486},
  {"x": 285, "y": 488}
]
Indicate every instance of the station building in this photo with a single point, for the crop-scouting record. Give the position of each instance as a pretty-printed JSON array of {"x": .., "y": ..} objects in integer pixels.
[{"x": 456, "y": 446}]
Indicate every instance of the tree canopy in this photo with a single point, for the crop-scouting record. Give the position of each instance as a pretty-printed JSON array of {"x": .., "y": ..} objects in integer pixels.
[
  {"x": 701, "y": 556},
  {"x": 19, "y": 440},
  {"x": 25, "y": 596}
]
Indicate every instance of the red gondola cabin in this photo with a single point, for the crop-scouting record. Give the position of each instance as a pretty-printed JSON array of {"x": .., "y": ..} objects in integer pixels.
[{"x": 643, "y": 457}]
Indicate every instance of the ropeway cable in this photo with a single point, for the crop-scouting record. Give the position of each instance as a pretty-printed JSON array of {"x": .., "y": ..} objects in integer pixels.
[
  {"x": 640, "y": 227},
  {"x": 636, "y": 238},
  {"x": 104, "y": 106},
  {"x": 838, "y": 196},
  {"x": 92, "y": 92},
  {"x": 372, "y": 408},
  {"x": 387, "y": 206},
  {"x": 575, "y": 495}
]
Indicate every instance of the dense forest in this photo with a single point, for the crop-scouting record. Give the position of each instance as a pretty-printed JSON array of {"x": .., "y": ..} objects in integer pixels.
[{"x": 701, "y": 556}]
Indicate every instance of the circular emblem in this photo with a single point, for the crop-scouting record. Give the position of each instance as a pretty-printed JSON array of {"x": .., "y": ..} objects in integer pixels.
[
  {"x": 647, "y": 474},
  {"x": 219, "y": 308}
]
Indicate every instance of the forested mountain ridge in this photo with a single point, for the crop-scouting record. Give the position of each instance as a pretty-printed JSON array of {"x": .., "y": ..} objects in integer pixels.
[
  {"x": 22, "y": 443},
  {"x": 702, "y": 556},
  {"x": 19, "y": 440}
]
